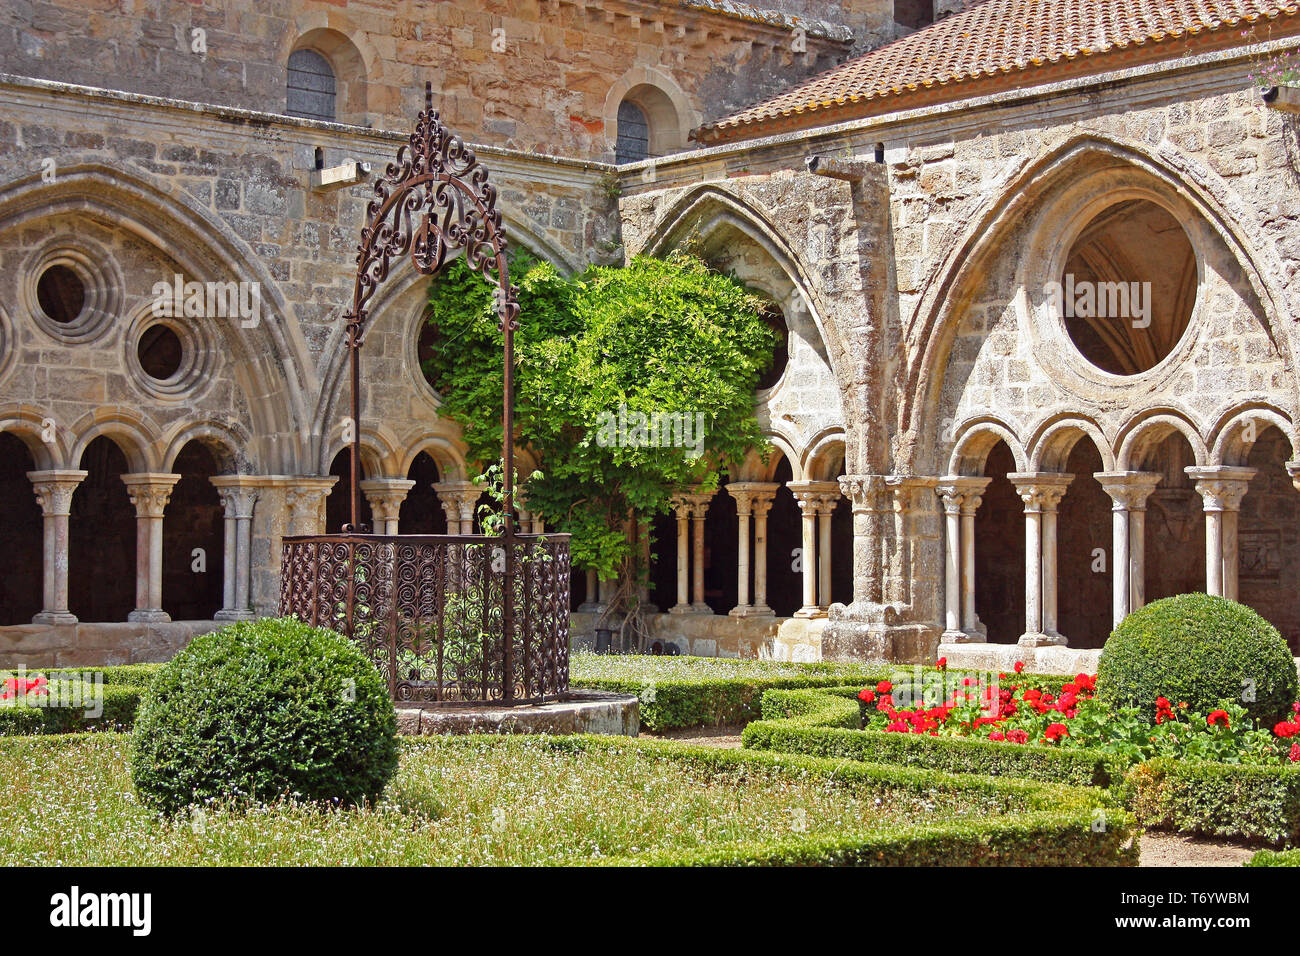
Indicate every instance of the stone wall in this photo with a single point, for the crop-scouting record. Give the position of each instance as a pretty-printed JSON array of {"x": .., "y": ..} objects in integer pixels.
[{"x": 527, "y": 74}]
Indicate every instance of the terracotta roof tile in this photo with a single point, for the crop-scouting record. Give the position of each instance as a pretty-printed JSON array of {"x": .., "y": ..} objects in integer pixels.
[{"x": 997, "y": 38}]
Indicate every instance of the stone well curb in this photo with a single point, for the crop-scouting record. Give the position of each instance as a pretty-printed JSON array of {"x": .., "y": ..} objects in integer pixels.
[{"x": 588, "y": 712}]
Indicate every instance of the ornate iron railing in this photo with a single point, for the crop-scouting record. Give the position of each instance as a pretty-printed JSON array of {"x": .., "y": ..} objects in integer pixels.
[{"x": 429, "y": 610}]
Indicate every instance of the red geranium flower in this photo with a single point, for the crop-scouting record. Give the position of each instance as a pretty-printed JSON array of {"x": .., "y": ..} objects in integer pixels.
[
  {"x": 1295, "y": 753},
  {"x": 942, "y": 663},
  {"x": 866, "y": 695},
  {"x": 997, "y": 735},
  {"x": 1020, "y": 666},
  {"x": 884, "y": 687},
  {"x": 1018, "y": 736},
  {"x": 1218, "y": 718},
  {"x": 1056, "y": 732}
]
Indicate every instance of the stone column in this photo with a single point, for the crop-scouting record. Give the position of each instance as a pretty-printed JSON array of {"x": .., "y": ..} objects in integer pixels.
[
  {"x": 458, "y": 499},
  {"x": 682, "y": 510},
  {"x": 1221, "y": 487},
  {"x": 386, "y": 496},
  {"x": 305, "y": 497},
  {"x": 149, "y": 492},
  {"x": 813, "y": 498},
  {"x": 699, "y": 509},
  {"x": 961, "y": 499},
  {"x": 239, "y": 494},
  {"x": 764, "y": 495},
  {"x": 1129, "y": 491},
  {"x": 54, "y": 494},
  {"x": 591, "y": 603},
  {"x": 869, "y": 496},
  {"x": 825, "y": 509},
  {"x": 909, "y": 498},
  {"x": 744, "y": 502},
  {"x": 1041, "y": 494}
]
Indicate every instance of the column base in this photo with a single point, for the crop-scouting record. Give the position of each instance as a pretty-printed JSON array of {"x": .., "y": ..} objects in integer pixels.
[
  {"x": 681, "y": 609},
  {"x": 588, "y": 607},
  {"x": 1039, "y": 639},
  {"x": 810, "y": 613},
  {"x": 752, "y": 610},
  {"x": 54, "y": 617},
  {"x": 701, "y": 609},
  {"x": 964, "y": 637},
  {"x": 150, "y": 615},
  {"x": 229, "y": 614}
]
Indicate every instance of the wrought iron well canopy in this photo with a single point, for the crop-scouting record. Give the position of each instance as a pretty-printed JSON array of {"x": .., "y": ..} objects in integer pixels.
[{"x": 438, "y": 614}]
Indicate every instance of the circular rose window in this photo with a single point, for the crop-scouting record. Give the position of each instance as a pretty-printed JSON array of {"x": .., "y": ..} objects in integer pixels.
[{"x": 1129, "y": 287}]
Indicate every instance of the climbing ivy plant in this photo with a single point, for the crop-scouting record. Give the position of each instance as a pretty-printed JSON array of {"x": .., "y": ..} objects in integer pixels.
[{"x": 665, "y": 338}]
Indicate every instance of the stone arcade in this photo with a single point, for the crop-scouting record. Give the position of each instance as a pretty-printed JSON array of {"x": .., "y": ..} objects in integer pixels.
[{"x": 965, "y": 461}]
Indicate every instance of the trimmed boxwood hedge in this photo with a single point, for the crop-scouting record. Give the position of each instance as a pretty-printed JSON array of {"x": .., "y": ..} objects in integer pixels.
[
  {"x": 262, "y": 709},
  {"x": 120, "y": 703},
  {"x": 1200, "y": 649},
  {"x": 1214, "y": 799},
  {"x": 706, "y": 702},
  {"x": 823, "y": 723},
  {"x": 1047, "y": 824}
]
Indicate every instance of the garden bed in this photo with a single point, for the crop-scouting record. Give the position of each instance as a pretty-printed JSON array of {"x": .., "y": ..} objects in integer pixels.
[
  {"x": 1252, "y": 802},
  {"x": 564, "y": 800},
  {"x": 681, "y": 692}
]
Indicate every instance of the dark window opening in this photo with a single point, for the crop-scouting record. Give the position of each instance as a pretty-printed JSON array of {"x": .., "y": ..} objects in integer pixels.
[
  {"x": 160, "y": 352},
  {"x": 61, "y": 294},
  {"x": 633, "y": 134},
  {"x": 311, "y": 86}
]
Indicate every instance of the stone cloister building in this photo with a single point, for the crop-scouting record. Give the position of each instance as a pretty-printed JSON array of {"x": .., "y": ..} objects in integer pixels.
[{"x": 1035, "y": 262}]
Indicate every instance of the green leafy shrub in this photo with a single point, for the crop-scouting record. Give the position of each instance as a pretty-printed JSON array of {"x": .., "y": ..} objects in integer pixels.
[
  {"x": 261, "y": 710},
  {"x": 1275, "y": 858},
  {"x": 1200, "y": 649},
  {"x": 1213, "y": 799}
]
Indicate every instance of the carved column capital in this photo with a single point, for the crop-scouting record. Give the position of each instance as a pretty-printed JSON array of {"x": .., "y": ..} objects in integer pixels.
[
  {"x": 458, "y": 499},
  {"x": 54, "y": 489},
  {"x": 238, "y": 493},
  {"x": 386, "y": 495},
  {"x": 1222, "y": 486},
  {"x": 150, "y": 491},
  {"x": 1128, "y": 490},
  {"x": 866, "y": 493},
  {"x": 748, "y": 493},
  {"x": 815, "y": 497},
  {"x": 1042, "y": 491},
  {"x": 961, "y": 495}
]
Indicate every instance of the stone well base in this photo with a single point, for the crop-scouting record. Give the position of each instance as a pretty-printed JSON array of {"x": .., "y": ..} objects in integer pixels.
[
  {"x": 1003, "y": 657},
  {"x": 96, "y": 645},
  {"x": 588, "y": 712}
]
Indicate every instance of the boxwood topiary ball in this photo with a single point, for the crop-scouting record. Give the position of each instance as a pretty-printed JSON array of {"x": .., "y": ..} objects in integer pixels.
[
  {"x": 1199, "y": 649},
  {"x": 261, "y": 710}
]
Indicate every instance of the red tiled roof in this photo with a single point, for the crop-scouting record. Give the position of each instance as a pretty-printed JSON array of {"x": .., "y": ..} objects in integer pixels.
[{"x": 1005, "y": 40}]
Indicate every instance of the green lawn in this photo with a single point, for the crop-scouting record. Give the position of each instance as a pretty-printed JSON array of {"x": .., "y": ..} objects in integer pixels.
[
  {"x": 473, "y": 801},
  {"x": 587, "y": 667}
]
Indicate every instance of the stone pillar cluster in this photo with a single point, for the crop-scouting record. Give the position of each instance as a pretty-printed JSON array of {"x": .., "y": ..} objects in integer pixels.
[
  {"x": 753, "y": 500},
  {"x": 817, "y": 501},
  {"x": 961, "y": 499},
  {"x": 1129, "y": 491},
  {"x": 238, "y": 494},
  {"x": 1221, "y": 488},
  {"x": 690, "y": 510}
]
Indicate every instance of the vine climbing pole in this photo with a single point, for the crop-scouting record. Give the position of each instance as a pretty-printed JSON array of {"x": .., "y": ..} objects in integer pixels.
[{"x": 433, "y": 203}]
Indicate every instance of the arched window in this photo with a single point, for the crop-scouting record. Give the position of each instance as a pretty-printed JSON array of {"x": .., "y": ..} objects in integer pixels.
[
  {"x": 311, "y": 86},
  {"x": 633, "y": 133}
]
